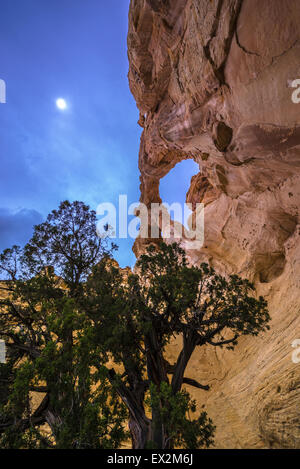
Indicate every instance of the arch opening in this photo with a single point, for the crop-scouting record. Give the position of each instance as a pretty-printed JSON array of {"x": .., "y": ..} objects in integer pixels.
[{"x": 174, "y": 186}]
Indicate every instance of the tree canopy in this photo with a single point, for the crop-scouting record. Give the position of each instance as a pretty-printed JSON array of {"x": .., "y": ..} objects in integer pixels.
[
  {"x": 167, "y": 298},
  {"x": 53, "y": 375},
  {"x": 90, "y": 339}
]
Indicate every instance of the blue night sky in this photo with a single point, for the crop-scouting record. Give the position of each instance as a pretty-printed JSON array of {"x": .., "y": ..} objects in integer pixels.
[{"x": 74, "y": 49}]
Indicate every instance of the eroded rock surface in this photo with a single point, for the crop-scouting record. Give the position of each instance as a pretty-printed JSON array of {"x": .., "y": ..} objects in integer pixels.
[{"x": 212, "y": 80}]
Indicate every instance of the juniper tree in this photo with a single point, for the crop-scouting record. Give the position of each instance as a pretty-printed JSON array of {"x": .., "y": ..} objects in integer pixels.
[
  {"x": 166, "y": 298},
  {"x": 53, "y": 375}
]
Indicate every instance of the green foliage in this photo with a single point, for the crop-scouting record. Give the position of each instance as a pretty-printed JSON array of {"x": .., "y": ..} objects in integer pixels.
[
  {"x": 175, "y": 411},
  {"x": 82, "y": 408},
  {"x": 180, "y": 297},
  {"x": 52, "y": 351},
  {"x": 90, "y": 339},
  {"x": 67, "y": 241},
  {"x": 167, "y": 298}
]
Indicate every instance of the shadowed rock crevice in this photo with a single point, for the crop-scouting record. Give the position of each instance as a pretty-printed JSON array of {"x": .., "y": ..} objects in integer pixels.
[{"x": 223, "y": 136}]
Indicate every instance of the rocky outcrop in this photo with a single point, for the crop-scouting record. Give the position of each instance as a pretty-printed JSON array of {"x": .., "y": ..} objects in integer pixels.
[{"x": 212, "y": 80}]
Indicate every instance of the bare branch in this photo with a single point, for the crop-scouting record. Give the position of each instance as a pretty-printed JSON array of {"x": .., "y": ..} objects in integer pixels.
[
  {"x": 42, "y": 389},
  {"x": 32, "y": 352},
  {"x": 195, "y": 384},
  {"x": 223, "y": 342}
]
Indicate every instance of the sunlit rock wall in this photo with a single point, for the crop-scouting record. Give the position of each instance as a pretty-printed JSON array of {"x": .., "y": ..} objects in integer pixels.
[{"x": 212, "y": 80}]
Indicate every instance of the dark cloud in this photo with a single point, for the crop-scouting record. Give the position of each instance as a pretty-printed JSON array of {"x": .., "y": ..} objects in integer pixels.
[{"x": 17, "y": 227}]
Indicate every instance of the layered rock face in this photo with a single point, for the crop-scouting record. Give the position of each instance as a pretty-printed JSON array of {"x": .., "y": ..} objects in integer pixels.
[{"x": 212, "y": 80}]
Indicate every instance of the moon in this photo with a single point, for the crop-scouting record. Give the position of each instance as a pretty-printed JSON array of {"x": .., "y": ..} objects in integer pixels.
[{"x": 61, "y": 104}]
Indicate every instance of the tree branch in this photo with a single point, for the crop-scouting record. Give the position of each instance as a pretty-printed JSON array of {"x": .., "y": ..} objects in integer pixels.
[
  {"x": 223, "y": 342},
  {"x": 43, "y": 389},
  {"x": 195, "y": 384},
  {"x": 33, "y": 353},
  {"x": 37, "y": 418}
]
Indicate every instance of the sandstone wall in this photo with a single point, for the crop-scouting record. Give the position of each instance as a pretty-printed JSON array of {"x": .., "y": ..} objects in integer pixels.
[{"x": 212, "y": 80}]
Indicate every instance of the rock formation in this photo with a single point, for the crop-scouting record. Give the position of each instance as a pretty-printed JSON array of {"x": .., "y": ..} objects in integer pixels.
[{"x": 212, "y": 80}]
